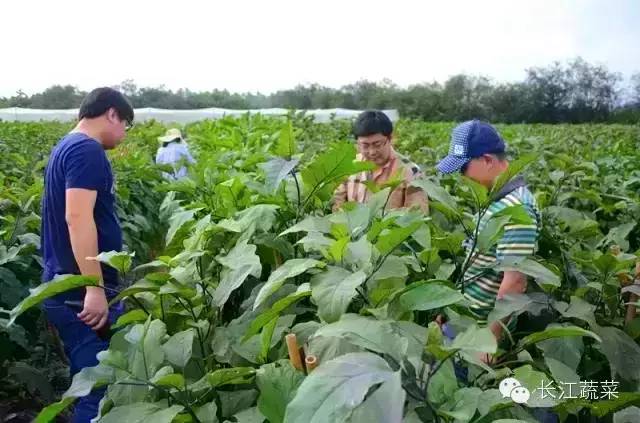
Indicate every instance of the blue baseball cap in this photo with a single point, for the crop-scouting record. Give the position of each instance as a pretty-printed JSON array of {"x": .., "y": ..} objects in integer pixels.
[{"x": 469, "y": 140}]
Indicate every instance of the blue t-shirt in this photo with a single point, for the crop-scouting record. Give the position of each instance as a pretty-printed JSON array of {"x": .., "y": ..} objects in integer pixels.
[{"x": 78, "y": 161}]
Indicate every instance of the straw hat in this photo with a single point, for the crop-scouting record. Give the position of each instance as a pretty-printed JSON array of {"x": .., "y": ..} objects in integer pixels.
[{"x": 171, "y": 135}]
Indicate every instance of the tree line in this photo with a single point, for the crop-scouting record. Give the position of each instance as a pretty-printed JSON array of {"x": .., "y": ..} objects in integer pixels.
[{"x": 573, "y": 92}]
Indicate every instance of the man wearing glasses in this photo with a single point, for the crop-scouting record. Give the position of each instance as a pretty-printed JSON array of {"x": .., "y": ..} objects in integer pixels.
[
  {"x": 78, "y": 222},
  {"x": 373, "y": 132}
]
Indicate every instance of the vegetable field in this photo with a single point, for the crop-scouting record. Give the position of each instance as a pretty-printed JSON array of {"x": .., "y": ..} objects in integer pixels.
[{"x": 222, "y": 266}]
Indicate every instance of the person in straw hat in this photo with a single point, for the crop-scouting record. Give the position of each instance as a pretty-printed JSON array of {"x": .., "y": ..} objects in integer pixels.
[{"x": 174, "y": 151}]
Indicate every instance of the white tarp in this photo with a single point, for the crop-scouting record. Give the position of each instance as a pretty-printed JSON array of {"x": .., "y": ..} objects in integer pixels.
[{"x": 179, "y": 116}]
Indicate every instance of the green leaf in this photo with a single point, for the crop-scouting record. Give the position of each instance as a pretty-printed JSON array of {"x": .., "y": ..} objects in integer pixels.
[
  {"x": 492, "y": 232},
  {"x": 137, "y": 288},
  {"x": 289, "y": 269},
  {"x": 533, "y": 381},
  {"x": 437, "y": 193},
  {"x": 265, "y": 340},
  {"x": 134, "y": 316},
  {"x": 233, "y": 376},
  {"x": 337, "y": 248},
  {"x": 146, "y": 355},
  {"x": 142, "y": 412},
  {"x": 236, "y": 401},
  {"x": 207, "y": 413},
  {"x": 278, "y": 383},
  {"x": 322, "y": 175},
  {"x": 259, "y": 217},
  {"x": 173, "y": 380},
  {"x": 515, "y": 168},
  {"x": 241, "y": 262},
  {"x": 274, "y": 312},
  {"x": 176, "y": 222},
  {"x": 624, "y": 400},
  {"x": 387, "y": 242},
  {"x": 335, "y": 389},
  {"x": 385, "y": 404},
  {"x": 622, "y": 352},
  {"x": 276, "y": 170},
  {"x": 46, "y": 290},
  {"x": 50, "y": 412},
  {"x": 474, "y": 340},
  {"x": 121, "y": 261},
  {"x": 250, "y": 415},
  {"x": 428, "y": 296},
  {"x": 179, "y": 348},
  {"x": 443, "y": 384},
  {"x": 530, "y": 267},
  {"x": 371, "y": 334},
  {"x": 286, "y": 145},
  {"x": 310, "y": 224},
  {"x": 508, "y": 305},
  {"x": 333, "y": 290},
  {"x": 463, "y": 405},
  {"x": 479, "y": 191},
  {"x": 556, "y": 332}
]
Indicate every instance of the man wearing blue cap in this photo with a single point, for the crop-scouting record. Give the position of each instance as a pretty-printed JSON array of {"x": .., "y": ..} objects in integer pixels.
[{"x": 478, "y": 152}]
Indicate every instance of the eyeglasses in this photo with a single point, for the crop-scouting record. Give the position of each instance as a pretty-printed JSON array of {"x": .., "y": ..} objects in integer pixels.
[{"x": 374, "y": 145}]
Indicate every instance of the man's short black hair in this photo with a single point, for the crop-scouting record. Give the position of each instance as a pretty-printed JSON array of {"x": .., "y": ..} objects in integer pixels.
[
  {"x": 372, "y": 122},
  {"x": 100, "y": 100}
]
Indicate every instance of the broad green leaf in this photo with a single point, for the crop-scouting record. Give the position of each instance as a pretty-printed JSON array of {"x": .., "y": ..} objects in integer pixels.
[
  {"x": 286, "y": 145},
  {"x": 443, "y": 384},
  {"x": 233, "y": 376},
  {"x": 333, "y": 290},
  {"x": 579, "y": 309},
  {"x": 121, "y": 261},
  {"x": 289, "y": 269},
  {"x": 134, "y": 316},
  {"x": 276, "y": 170},
  {"x": 241, "y": 262},
  {"x": 176, "y": 222},
  {"x": 508, "y": 305},
  {"x": 310, "y": 224},
  {"x": 142, "y": 412},
  {"x": 624, "y": 400},
  {"x": 385, "y": 404},
  {"x": 387, "y": 242},
  {"x": 337, "y": 248},
  {"x": 327, "y": 348},
  {"x": 278, "y": 383},
  {"x": 274, "y": 312},
  {"x": 622, "y": 352},
  {"x": 250, "y": 415},
  {"x": 265, "y": 340},
  {"x": 49, "y": 413},
  {"x": 137, "y": 288},
  {"x": 146, "y": 354},
  {"x": 475, "y": 340},
  {"x": 207, "y": 413},
  {"x": 326, "y": 171},
  {"x": 335, "y": 389},
  {"x": 428, "y": 296},
  {"x": 515, "y": 168},
  {"x": 556, "y": 332},
  {"x": 463, "y": 405},
  {"x": 174, "y": 380},
  {"x": 367, "y": 333},
  {"x": 534, "y": 381},
  {"x": 179, "y": 348},
  {"x": 259, "y": 217},
  {"x": 530, "y": 267},
  {"x": 46, "y": 290},
  {"x": 437, "y": 193},
  {"x": 492, "y": 232},
  {"x": 236, "y": 401},
  {"x": 479, "y": 192}
]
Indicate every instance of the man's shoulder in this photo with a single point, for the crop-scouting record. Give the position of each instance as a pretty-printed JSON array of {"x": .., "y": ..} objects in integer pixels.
[{"x": 78, "y": 143}]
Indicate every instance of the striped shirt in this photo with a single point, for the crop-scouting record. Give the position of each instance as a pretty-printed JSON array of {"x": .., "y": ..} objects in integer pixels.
[
  {"x": 354, "y": 188},
  {"x": 518, "y": 241}
]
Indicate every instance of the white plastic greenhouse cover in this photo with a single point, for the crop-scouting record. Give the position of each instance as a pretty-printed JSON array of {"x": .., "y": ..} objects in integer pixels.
[{"x": 179, "y": 116}]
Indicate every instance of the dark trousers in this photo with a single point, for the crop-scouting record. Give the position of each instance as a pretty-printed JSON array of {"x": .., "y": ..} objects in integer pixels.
[{"x": 81, "y": 345}]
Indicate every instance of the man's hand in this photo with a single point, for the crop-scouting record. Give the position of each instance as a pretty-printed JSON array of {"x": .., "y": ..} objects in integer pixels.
[{"x": 96, "y": 308}]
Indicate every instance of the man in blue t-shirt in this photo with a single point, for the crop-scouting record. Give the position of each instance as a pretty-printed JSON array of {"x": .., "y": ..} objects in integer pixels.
[{"x": 78, "y": 222}]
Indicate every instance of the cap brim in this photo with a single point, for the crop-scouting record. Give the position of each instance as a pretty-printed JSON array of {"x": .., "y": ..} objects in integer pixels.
[
  {"x": 452, "y": 164},
  {"x": 168, "y": 138}
]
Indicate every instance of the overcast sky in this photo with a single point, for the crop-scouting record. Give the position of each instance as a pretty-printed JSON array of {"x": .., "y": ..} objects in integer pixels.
[{"x": 267, "y": 45}]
